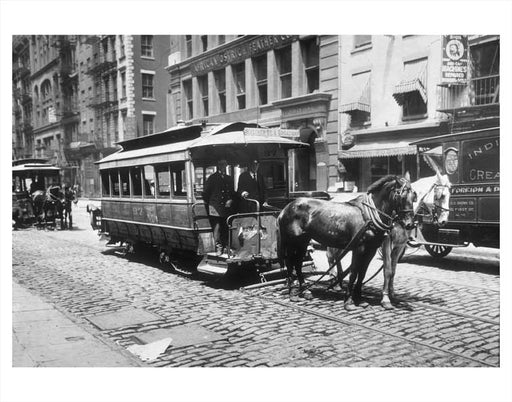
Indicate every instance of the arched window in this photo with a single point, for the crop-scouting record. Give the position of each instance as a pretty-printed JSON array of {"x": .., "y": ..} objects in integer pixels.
[
  {"x": 36, "y": 92},
  {"x": 46, "y": 89}
]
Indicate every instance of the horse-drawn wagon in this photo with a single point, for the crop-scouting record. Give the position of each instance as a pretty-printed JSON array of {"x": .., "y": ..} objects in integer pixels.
[{"x": 471, "y": 161}]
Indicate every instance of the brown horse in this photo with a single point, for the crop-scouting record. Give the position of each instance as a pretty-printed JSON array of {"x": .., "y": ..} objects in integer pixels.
[{"x": 361, "y": 224}]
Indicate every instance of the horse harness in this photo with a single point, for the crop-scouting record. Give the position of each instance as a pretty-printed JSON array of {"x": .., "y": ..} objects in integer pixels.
[
  {"x": 431, "y": 211},
  {"x": 371, "y": 215}
]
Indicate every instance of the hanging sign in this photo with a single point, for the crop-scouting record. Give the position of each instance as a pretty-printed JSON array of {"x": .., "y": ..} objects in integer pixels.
[{"x": 454, "y": 65}]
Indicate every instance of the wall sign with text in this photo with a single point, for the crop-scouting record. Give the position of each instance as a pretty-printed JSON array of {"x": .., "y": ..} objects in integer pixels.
[{"x": 454, "y": 66}]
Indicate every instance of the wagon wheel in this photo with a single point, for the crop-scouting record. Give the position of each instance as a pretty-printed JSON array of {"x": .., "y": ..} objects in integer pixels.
[{"x": 438, "y": 251}]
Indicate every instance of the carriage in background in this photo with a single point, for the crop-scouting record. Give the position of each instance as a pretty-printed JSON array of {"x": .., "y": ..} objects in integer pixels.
[
  {"x": 29, "y": 175},
  {"x": 472, "y": 162},
  {"x": 152, "y": 194}
]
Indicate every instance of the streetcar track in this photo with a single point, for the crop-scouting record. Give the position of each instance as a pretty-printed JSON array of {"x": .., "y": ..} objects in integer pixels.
[
  {"x": 449, "y": 282},
  {"x": 365, "y": 326}
]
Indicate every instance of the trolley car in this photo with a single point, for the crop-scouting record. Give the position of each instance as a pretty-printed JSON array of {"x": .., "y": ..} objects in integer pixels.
[
  {"x": 29, "y": 175},
  {"x": 152, "y": 194},
  {"x": 472, "y": 162}
]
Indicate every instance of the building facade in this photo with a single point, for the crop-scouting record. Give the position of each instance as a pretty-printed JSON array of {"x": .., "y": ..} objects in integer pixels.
[
  {"x": 393, "y": 92},
  {"x": 76, "y": 96},
  {"x": 287, "y": 81}
]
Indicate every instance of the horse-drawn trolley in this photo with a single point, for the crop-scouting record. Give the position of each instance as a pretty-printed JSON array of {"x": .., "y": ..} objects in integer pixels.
[{"x": 152, "y": 193}]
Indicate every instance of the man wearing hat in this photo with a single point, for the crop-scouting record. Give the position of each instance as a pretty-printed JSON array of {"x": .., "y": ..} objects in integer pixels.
[
  {"x": 218, "y": 196},
  {"x": 251, "y": 185}
]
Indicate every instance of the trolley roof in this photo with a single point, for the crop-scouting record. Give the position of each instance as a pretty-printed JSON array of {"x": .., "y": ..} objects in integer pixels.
[{"x": 203, "y": 140}]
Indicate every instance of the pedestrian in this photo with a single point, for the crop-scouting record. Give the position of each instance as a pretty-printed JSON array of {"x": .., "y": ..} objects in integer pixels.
[
  {"x": 218, "y": 195},
  {"x": 252, "y": 185}
]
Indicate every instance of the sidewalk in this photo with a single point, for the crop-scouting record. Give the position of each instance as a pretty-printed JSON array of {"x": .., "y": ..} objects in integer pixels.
[{"x": 44, "y": 337}]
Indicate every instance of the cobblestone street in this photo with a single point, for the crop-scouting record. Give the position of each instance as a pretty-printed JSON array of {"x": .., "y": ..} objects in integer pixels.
[{"x": 447, "y": 316}]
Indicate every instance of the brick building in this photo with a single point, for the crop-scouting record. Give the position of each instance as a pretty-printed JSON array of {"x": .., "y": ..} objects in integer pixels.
[{"x": 75, "y": 96}]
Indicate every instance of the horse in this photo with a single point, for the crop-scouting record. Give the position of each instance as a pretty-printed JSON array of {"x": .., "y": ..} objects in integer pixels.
[
  {"x": 48, "y": 205},
  {"x": 70, "y": 198},
  {"x": 432, "y": 195},
  {"x": 356, "y": 225}
]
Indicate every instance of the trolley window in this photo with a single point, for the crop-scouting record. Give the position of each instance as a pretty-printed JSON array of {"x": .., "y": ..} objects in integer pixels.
[
  {"x": 136, "y": 181},
  {"x": 149, "y": 181},
  {"x": 105, "y": 184},
  {"x": 179, "y": 181},
  {"x": 163, "y": 181},
  {"x": 201, "y": 174},
  {"x": 125, "y": 182},
  {"x": 114, "y": 179}
]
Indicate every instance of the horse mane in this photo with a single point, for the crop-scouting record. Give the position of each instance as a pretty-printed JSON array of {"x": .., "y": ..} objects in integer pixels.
[{"x": 377, "y": 186}]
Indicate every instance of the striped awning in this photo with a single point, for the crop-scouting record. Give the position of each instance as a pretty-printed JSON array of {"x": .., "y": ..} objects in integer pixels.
[
  {"x": 361, "y": 98},
  {"x": 414, "y": 78},
  {"x": 378, "y": 149}
]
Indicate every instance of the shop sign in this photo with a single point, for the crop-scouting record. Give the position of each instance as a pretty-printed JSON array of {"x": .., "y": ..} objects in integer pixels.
[
  {"x": 454, "y": 65},
  {"x": 235, "y": 55},
  {"x": 475, "y": 189}
]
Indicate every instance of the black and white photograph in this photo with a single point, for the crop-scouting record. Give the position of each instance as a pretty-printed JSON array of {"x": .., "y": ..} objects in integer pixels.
[{"x": 309, "y": 213}]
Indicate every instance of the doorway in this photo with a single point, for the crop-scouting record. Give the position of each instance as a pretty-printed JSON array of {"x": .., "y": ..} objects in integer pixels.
[{"x": 305, "y": 162}]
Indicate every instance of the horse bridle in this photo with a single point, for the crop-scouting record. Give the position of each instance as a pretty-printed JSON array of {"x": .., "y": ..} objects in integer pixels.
[{"x": 434, "y": 211}]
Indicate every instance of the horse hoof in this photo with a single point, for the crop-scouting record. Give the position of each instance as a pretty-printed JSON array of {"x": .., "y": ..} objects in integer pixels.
[
  {"x": 387, "y": 306},
  {"x": 307, "y": 295},
  {"x": 364, "y": 304},
  {"x": 294, "y": 298},
  {"x": 350, "y": 306},
  {"x": 337, "y": 288}
]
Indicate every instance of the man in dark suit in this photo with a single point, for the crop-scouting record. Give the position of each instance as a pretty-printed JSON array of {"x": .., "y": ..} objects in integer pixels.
[
  {"x": 252, "y": 185},
  {"x": 218, "y": 196}
]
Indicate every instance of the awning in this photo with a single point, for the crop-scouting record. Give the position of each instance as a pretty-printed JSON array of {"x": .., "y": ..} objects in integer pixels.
[
  {"x": 379, "y": 149},
  {"x": 360, "y": 99},
  {"x": 414, "y": 78}
]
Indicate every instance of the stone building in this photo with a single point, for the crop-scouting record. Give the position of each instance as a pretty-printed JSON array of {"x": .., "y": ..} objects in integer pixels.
[
  {"x": 393, "y": 93},
  {"x": 287, "y": 81}
]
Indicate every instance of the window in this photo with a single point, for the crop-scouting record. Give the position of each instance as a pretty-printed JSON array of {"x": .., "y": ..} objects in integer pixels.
[
  {"x": 189, "y": 104},
  {"x": 202, "y": 82},
  {"x": 148, "y": 124},
  {"x": 105, "y": 184},
  {"x": 149, "y": 181},
  {"x": 114, "y": 87},
  {"x": 204, "y": 42},
  {"x": 311, "y": 56},
  {"x": 178, "y": 180},
  {"x": 222, "y": 39},
  {"x": 284, "y": 66},
  {"x": 146, "y": 45},
  {"x": 163, "y": 181},
  {"x": 136, "y": 178},
  {"x": 121, "y": 46},
  {"x": 106, "y": 86},
  {"x": 239, "y": 78},
  {"x": 259, "y": 66},
  {"x": 414, "y": 105},
  {"x": 362, "y": 40},
  {"x": 124, "y": 175},
  {"x": 123, "y": 85},
  {"x": 485, "y": 74},
  {"x": 188, "y": 45},
  {"x": 411, "y": 91},
  {"x": 220, "y": 85},
  {"x": 147, "y": 86},
  {"x": 114, "y": 180}
]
